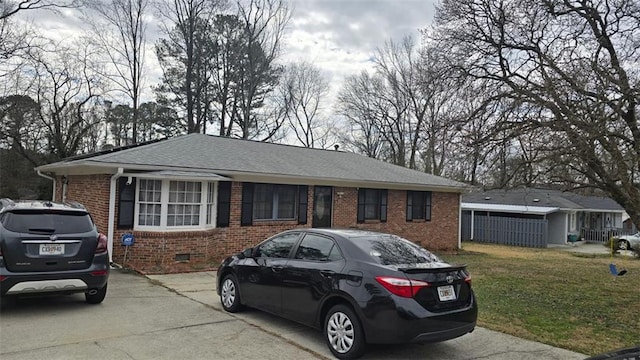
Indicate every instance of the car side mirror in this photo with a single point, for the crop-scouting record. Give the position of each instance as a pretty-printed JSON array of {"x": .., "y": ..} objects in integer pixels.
[{"x": 247, "y": 253}]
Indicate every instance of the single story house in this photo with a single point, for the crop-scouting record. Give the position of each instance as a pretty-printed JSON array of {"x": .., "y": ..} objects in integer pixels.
[
  {"x": 538, "y": 217},
  {"x": 191, "y": 200}
]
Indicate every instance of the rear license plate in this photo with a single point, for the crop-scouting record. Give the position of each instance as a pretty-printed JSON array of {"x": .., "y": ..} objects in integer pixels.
[
  {"x": 51, "y": 249},
  {"x": 446, "y": 293}
]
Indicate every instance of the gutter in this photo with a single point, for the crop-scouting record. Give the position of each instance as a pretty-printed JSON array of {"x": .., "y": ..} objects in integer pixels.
[
  {"x": 53, "y": 193},
  {"x": 112, "y": 211}
]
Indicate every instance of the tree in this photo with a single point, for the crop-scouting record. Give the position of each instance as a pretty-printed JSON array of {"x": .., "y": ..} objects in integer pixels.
[
  {"x": 358, "y": 105},
  {"x": 303, "y": 89},
  {"x": 574, "y": 63},
  {"x": 66, "y": 87},
  {"x": 121, "y": 36},
  {"x": 186, "y": 59},
  {"x": 264, "y": 23}
]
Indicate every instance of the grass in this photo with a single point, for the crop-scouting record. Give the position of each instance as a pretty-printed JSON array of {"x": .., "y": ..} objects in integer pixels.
[{"x": 555, "y": 297}]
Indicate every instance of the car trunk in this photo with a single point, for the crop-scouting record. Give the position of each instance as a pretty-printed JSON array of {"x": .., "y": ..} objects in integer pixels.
[
  {"x": 56, "y": 241},
  {"x": 450, "y": 287}
]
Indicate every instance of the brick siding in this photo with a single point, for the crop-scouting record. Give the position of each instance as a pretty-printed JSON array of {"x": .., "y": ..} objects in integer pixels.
[{"x": 155, "y": 252}]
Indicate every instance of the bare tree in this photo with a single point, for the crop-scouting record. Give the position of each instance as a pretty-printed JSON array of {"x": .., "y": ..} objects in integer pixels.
[
  {"x": 66, "y": 86},
  {"x": 359, "y": 106},
  {"x": 575, "y": 62},
  {"x": 121, "y": 34},
  {"x": 303, "y": 89}
]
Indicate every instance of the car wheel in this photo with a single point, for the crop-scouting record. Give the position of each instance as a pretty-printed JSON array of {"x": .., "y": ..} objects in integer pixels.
[
  {"x": 229, "y": 294},
  {"x": 343, "y": 333},
  {"x": 95, "y": 296},
  {"x": 623, "y": 245}
]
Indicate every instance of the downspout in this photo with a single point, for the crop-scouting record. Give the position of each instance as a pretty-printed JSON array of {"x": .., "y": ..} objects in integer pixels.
[
  {"x": 112, "y": 211},
  {"x": 459, "y": 221},
  {"x": 53, "y": 196}
]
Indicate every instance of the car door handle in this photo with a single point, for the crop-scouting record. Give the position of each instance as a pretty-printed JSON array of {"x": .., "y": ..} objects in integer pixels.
[
  {"x": 327, "y": 273},
  {"x": 277, "y": 268}
]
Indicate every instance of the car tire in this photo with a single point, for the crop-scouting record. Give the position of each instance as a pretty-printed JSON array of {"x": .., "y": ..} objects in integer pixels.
[
  {"x": 230, "y": 294},
  {"x": 343, "y": 333},
  {"x": 624, "y": 245},
  {"x": 96, "y": 297}
]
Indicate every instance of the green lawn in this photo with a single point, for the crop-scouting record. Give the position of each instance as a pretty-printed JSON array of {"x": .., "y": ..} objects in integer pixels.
[{"x": 555, "y": 297}]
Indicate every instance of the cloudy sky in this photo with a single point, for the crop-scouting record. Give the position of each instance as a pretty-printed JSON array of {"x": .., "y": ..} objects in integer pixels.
[{"x": 338, "y": 36}]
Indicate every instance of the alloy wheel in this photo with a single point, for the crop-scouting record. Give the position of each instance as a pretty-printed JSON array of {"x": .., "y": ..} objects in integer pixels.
[{"x": 340, "y": 332}]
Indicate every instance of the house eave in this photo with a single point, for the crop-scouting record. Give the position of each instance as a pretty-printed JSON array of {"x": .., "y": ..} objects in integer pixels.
[{"x": 93, "y": 167}]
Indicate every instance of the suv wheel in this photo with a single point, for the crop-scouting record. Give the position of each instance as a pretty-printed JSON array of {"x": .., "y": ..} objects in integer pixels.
[{"x": 95, "y": 296}]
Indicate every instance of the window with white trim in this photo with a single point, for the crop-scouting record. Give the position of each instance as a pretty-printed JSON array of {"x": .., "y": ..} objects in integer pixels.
[{"x": 175, "y": 204}]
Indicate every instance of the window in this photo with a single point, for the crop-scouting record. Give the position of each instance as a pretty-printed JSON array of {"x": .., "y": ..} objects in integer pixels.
[
  {"x": 318, "y": 248},
  {"x": 372, "y": 204},
  {"x": 418, "y": 205},
  {"x": 279, "y": 247},
  {"x": 175, "y": 204},
  {"x": 149, "y": 202},
  {"x": 274, "y": 202}
]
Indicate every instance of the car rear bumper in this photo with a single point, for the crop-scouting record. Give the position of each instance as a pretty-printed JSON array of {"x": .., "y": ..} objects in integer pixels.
[
  {"x": 69, "y": 281},
  {"x": 405, "y": 323}
]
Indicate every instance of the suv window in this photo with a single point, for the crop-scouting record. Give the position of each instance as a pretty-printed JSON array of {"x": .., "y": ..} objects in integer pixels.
[
  {"x": 59, "y": 222},
  {"x": 318, "y": 248},
  {"x": 280, "y": 246},
  {"x": 394, "y": 250}
]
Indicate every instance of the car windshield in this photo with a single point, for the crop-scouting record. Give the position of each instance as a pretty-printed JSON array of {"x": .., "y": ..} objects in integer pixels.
[
  {"x": 394, "y": 250},
  {"x": 47, "y": 222}
]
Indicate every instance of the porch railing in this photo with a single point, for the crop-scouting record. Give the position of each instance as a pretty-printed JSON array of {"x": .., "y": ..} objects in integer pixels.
[{"x": 601, "y": 236}]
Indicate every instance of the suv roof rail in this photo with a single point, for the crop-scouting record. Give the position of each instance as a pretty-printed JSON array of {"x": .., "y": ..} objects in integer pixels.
[{"x": 76, "y": 205}]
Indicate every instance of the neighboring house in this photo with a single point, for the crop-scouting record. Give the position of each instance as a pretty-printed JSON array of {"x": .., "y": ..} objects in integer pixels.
[
  {"x": 197, "y": 198},
  {"x": 538, "y": 217}
]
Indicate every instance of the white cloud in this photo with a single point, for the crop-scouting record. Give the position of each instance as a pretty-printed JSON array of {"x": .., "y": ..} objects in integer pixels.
[{"x": 338, "y": 36}]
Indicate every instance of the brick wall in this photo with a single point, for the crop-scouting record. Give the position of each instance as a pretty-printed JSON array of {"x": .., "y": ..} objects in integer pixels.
[{"x": 157, "y": 251}]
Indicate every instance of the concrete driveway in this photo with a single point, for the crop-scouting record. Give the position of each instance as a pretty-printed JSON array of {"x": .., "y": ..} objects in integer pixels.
[{"x": 179, "y": 316}]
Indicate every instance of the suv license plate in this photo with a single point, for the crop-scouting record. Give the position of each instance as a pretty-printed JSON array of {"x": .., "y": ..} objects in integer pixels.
[
  {"x": 51, "y": 249},
  {"x": 446, "y": 293}
]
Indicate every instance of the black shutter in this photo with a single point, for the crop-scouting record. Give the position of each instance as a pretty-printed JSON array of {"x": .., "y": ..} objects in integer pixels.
[
  {"x": 127, "y": 202},
  {"x": 246, "y": 218},
  {"x": 303, "y": 199},
  {"x": 361, "y": 199},
  {"x": 383, "y": 205},
  {"x": 409, "y": 205},
  {"x": 427, "y": 206},
  {"x": 224, "y": 204}
]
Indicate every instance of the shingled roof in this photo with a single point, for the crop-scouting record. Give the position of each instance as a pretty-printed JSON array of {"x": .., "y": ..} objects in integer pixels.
[
  {"x": 236, "y": 158},
  {"x": 542, "y": 198}
]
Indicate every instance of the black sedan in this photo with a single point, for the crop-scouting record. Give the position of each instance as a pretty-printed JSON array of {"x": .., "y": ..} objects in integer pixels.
[{"x": 358, "y": 287}]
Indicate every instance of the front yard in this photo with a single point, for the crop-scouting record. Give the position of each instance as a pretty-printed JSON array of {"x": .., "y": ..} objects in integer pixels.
[{"x": 562, "y": 299}]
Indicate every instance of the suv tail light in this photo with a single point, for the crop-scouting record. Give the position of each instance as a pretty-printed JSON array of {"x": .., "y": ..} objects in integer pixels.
[
  {"x": 402, "y": 287},
  {"x": 102, "y": 246}
]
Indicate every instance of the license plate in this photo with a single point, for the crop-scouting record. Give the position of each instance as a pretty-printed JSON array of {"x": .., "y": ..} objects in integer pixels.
[
  {"x": 51, "y": 249},
  {"x": 446, "y": 293}
]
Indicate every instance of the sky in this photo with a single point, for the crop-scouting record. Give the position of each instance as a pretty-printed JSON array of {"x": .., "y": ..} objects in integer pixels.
[{"x": 337, "y": 36}]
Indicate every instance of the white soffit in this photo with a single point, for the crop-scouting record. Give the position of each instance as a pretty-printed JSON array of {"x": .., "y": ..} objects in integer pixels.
[{"x": 520, "y": 209}]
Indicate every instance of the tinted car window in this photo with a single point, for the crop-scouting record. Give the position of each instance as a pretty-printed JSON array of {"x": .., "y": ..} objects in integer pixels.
[
  {"x": 394, "y": 250},
  {"x": 39, "y": 222},
  {"x": 318, "y": 248},
  {"x": 280, "y": 246}
]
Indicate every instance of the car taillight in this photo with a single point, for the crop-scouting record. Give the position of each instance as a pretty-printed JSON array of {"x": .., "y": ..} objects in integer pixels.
[
  {"x": 102, "y": 244},
  {"x": 402, "y": 287}
]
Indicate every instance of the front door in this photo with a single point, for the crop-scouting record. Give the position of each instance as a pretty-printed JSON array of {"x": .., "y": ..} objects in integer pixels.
[{"x": 322, "y": 205}]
